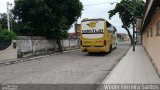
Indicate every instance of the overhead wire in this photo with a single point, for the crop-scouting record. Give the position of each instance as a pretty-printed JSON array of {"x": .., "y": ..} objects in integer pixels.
[
  {"x": 116, "y": 1},
  {"x": 97, "y": 4}
]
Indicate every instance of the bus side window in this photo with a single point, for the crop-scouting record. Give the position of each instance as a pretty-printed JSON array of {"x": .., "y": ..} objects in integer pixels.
[{"x": 108, "y": 24}]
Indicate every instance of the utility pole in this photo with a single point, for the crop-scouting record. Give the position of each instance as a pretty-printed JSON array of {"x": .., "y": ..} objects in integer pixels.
[
  {"x": 134, "y": 34},
  {"x": 134, "y": 26},
  {"x": 8, "y": 16},
  {"x": 75, "y": 24},
  {"x": 133, "y": 23}
]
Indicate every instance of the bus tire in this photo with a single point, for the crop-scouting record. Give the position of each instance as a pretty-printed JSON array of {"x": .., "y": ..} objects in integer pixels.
[
  {"x": 115, "y": 46},
  {"x": 110, "y": 49},
  {"x": 90, "y": 53}
]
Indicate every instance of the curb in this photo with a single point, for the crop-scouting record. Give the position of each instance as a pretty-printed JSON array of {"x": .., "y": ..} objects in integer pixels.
[{"x": 33, "y": 58}]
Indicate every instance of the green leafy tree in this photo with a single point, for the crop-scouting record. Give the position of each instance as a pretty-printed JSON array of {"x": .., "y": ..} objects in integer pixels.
[
  {"x": 4, "y": 33},
  {"x": 3, "y": 20},
  {"x": 128, "y": 10},
  {"x": 7, "y": 35},
  {"x": 50, "y": 18}
]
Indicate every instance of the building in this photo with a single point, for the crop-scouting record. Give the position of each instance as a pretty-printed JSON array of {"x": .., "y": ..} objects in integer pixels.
[
  {"x": 150, "y": 30},
  {"x": 122, "y": 37},
  {"x": 76, "y": 33}
]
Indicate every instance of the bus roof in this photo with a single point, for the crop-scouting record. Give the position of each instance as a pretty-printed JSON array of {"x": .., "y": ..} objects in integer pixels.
[{"x": 98, "y": 19}]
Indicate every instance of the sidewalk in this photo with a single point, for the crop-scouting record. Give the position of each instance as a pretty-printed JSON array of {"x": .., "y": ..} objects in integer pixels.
[
  {"x": 134, "y": 68},
  {"x": 8, "y": 53}
]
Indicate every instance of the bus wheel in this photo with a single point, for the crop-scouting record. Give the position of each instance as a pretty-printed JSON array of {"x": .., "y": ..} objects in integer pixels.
[
  {"x": 115, "y": 46},
  {"x": 110, "y": 49},
  {"x": 90, "y": 53}
]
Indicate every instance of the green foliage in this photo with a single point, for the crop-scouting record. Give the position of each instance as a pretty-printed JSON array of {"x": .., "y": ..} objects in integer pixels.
[
  {"x": 135, "y": 7},
  {"x": 128, "y": 11},
  {"x": 50, "y": 18},
  {"x": 6, "y": 35},
  {"x": 3, "y": 20}
]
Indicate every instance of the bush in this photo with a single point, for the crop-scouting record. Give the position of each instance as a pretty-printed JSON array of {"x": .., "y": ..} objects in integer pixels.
[{"x": 6, "y": 35}]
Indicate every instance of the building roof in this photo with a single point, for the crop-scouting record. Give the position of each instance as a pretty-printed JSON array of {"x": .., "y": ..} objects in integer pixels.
[
  {"x": 150, "y": 8},
  {"x": 74, "y": 34}
]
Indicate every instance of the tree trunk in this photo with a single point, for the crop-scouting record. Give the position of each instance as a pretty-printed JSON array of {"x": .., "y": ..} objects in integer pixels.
[
  {"x": 130, "y": 36},
  {"x": 59, "y": 45}
]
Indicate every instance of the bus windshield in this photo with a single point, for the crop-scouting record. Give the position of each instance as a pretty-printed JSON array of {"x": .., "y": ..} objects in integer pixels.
[{"x": 93, "y": 29}]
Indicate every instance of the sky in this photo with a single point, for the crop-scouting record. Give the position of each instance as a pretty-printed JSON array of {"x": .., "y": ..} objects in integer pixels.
[
  {"x": 90, "y": 11},
  {"x": 3, "y": 7},
  {"x": 101, "y": 11}
]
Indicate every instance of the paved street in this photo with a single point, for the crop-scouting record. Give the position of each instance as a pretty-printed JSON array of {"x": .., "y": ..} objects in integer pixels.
[{"x": 68, "y": 68}]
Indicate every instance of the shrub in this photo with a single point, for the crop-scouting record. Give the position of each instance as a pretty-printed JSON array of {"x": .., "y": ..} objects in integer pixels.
[{"x": 7, "y": 35}]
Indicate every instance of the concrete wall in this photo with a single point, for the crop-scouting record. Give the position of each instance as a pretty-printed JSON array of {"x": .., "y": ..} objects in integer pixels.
[
  {"x": 31, "y": 45},
  {"x": 152, "y": 43}
]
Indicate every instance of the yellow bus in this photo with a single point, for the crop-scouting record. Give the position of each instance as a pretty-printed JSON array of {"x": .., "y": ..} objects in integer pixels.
[{"x": 97, "y": 35}]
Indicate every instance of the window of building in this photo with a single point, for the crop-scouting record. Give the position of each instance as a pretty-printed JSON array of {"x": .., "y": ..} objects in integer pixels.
[
  {"x": 158, "y": 28},
  {"x": 147, "y": 33},
  {"x": 151, "y": 32}
]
